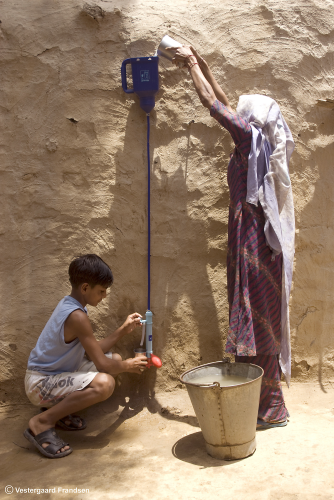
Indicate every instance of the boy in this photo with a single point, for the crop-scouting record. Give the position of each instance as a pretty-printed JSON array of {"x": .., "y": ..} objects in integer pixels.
[{"x": 59, "y": 379}]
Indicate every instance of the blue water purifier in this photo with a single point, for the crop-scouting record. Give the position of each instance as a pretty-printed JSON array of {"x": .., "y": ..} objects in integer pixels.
[{"x": 145, "y": 78}]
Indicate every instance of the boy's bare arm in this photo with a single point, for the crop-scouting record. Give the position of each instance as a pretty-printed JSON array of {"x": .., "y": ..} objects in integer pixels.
[
  {"x": 131, "y": 322},
  {"x": 78, "y": 326}
]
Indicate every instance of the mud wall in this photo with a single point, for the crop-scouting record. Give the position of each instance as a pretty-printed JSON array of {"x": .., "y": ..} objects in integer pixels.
[{"x": 73, "y": 170}]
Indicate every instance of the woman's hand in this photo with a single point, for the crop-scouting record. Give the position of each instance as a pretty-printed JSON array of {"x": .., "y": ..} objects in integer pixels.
[
  {"x": 187, "y": 56},
  {"x": 182, "y": 55},
  {"x": 202, "y": 63},
  {"x": 131, "y": 322}
]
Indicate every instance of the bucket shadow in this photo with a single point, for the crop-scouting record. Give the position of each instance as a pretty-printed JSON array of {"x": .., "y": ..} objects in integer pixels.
[{"x": 191, "y": 449}]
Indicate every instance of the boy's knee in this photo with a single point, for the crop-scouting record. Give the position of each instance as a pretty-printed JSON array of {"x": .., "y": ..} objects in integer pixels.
[
  {"x": 116, "y": 357},
  {"x": 104, "y": 384}
]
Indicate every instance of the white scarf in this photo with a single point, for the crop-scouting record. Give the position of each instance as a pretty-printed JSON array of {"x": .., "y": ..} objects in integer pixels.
[{"x": 268, "y": 182}]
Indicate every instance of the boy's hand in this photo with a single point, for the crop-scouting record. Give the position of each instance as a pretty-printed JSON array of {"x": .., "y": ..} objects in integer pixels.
[
  {"x": 136, "y": 365},
  {"x": 131, "y": 322}
]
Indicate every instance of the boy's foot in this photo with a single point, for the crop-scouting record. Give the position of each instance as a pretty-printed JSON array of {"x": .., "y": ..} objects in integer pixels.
[
  {"x": 72, "y": 423},
  {"x": 48, "y": 443},
  {"x": 37, "y": 427}
]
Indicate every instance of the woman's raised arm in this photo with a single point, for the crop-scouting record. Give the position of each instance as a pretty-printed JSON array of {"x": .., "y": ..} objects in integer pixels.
[
  {"x": 220, "y": 94},
  {"x": 203, "y": 88},
  {"x": 205, "y": 84}
]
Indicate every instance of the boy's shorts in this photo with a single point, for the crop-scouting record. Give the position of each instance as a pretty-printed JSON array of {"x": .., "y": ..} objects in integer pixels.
[{"x": 48, "y": 390}]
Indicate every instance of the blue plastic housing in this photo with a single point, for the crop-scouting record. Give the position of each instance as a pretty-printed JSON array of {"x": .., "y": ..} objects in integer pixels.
[{"x": 145, "y": 77}]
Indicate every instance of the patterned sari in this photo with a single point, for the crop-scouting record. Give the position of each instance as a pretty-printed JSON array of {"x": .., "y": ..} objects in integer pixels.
[{"x": 254, "y": 278}]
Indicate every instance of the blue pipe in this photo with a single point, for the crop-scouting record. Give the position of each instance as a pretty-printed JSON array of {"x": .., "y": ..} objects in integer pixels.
[{"x": 148, "y": 216}]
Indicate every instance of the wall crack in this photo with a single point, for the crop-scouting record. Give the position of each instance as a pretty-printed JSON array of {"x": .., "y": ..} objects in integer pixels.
[{"x": 309, "y": 310}]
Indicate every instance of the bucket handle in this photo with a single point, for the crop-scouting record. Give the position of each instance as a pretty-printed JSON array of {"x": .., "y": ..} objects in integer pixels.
[
  {"x": 214, "y": 384},
  {"x": 123, "y": 75}
]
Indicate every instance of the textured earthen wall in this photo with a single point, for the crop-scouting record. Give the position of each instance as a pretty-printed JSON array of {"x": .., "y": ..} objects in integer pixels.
[{"x": 73, "y": 169}]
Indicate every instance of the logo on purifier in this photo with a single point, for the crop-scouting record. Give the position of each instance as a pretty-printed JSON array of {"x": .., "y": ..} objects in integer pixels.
[
  {"x": 150, "y": 338},
  {"x": 144, "y": 75}
]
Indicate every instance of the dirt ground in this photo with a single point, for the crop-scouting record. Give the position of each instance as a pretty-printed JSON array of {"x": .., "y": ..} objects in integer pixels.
[{"x": 138, "y": 449}]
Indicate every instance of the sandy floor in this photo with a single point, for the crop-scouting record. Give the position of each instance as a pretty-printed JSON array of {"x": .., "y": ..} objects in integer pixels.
[{"x": 154, "y": 449}]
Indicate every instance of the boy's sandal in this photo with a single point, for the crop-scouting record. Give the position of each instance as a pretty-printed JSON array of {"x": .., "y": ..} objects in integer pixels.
[
  {"x": 262, "y": 425},
  {"x": 49, "y": 436},
  {"x": 74, "y": 422}
]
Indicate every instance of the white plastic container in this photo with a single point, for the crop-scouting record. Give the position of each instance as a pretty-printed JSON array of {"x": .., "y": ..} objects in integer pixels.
[{"x": 167, "y": 41}]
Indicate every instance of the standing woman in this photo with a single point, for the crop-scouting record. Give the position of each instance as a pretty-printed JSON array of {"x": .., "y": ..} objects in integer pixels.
[{"x": 260, "y": 233}]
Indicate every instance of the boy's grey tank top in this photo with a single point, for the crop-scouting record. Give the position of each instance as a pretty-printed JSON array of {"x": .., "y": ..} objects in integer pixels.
[{"x": 52, "y": 355}]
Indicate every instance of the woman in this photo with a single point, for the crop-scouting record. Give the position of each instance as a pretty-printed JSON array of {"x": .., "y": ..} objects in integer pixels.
[{"x": 260, "y": 236}]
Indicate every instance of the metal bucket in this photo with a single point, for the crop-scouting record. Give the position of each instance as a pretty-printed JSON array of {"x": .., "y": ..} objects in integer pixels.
[{"x": 227, "y": 415}]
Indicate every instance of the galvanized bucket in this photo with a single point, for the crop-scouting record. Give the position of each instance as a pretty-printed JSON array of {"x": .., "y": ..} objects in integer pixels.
[{"x": 227, "y": 415}]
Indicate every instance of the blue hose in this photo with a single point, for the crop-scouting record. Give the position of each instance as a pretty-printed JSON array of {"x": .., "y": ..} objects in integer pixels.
[{"x": 148, "y": 216}]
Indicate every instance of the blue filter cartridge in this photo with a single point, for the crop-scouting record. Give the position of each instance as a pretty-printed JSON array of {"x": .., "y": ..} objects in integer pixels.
[{"x": 149, "y": 324}]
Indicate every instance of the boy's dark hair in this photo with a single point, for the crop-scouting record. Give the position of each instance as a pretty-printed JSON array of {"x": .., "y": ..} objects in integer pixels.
[{"x": 91, "y": 269}]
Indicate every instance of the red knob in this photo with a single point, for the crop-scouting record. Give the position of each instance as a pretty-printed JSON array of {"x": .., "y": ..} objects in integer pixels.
[{"x": 154, "y": 361}]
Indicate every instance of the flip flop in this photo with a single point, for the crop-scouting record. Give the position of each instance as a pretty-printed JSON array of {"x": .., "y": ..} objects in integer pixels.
[
  {"x": 49, "y": 436},
  {"x": 74, "y": 422},
  {"x": 262, "y": 425}
]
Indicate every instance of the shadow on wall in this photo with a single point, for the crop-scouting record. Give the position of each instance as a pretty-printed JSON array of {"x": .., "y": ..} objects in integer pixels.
[
  {"x": 312, "y": 302},
  {"x": 180, "y": 252},
  {"x": 51, "y": 200},
  {"x": 185, "y": 323}
]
